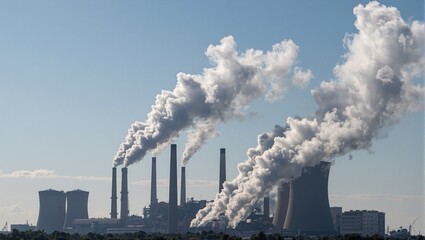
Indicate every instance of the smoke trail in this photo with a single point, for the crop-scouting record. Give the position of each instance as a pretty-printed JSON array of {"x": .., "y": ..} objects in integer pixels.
[
  {"x": 220, "y": 93},
  {"x": 374, "y": 87}
]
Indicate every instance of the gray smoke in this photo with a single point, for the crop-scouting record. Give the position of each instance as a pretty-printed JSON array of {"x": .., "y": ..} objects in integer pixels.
[
  {"x": 374, "y": 87},
  {"x": 220, "y": 93}
]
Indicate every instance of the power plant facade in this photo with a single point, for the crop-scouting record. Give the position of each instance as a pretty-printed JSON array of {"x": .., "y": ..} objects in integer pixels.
[{"x": 51, "y": 216}]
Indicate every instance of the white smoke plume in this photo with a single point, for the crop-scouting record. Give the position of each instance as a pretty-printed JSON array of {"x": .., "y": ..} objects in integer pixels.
[
  {"x": 374, "y": 87},
  {"x": 220, "y": 93}
]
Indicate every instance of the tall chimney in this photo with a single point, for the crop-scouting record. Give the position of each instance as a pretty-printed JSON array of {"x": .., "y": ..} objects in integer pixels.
[
  {"x": 124, "y": 196},
  {"x": 153, "y": 181},
  {"x": 281, "y": 205},
  {"x": 172, "y": 202},
  {"x": 114, "y": 197},
  {"x": 222, "y": 178},
  {"x": 183, "y": 187},
  {"x": 266, "y": 208},
  {"x": 308, "y": 207}
]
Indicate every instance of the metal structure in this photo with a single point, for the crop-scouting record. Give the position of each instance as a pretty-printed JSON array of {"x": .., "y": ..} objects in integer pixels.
[
  {"x": 222, "y": 177},
  {"x": 114, "y": 213},
  {"x": 124, "y": 196},
  {"x": 76, "y": 206},
  {"x": 51, "y": 214},
  {"x": 308, "y": 208},
  {"x": 183, "y": 187},
  {"x": 172, "y": 203}
]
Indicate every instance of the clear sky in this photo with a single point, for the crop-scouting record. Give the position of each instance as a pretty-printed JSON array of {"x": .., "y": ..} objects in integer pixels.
[{"x": 74, "y": 75}]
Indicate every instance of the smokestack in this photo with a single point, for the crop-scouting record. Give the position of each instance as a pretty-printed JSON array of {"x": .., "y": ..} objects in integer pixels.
[
  {"x": 114, "y": 197},
  {"x": 308, "y": 208},
  {"x": 153, "y": 181},
  {"x": 266, "y": 208},
  {"x": 154, "y": 200},
  {"x": 222, "y": 178},
  {"x": 281, "y": 205},
  {"x": 183, "y": 187},
  {"x": 172, "y": 203},
  {"x": 124, "y": 196},
  {"x": 76, "y": 206},
  {"x": 51, "y": 215}
]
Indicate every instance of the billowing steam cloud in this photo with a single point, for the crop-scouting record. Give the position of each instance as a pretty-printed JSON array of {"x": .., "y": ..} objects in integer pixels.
[
  {"x": 220, "y": 93},
  {"x": 373, "y": 87}
]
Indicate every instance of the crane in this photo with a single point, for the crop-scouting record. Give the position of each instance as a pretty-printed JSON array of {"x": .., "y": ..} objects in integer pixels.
[
  {"x": 411, "y": 226},
  {"x": 4, "y": 229}
]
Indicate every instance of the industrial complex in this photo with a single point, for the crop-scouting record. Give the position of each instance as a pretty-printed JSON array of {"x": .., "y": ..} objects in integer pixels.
[{"x": 302, "y": 208}]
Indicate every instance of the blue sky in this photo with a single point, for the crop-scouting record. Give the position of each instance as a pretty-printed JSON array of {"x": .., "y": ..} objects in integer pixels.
[{"x": 75, "y": 75}]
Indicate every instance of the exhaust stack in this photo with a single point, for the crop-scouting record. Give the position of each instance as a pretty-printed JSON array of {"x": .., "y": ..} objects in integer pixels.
[
  {"x": 124, "y": 196},
  {"x": 114, "y": 213},
  {"x": 222, "y": 178},
  {"x": 153, "y": 181},
  {"x": 172, "y": 203},
  {"x": 183, "y": 187}
]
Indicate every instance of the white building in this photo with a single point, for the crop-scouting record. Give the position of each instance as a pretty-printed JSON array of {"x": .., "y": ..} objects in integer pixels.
[{"x": 364, "y": 223}]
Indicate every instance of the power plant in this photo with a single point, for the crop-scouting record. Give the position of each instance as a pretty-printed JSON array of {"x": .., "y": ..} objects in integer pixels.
[{"x": 302, "y": 206}]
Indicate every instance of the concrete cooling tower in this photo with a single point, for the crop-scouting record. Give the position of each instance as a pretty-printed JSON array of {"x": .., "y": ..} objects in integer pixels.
[
  {"x": 76, "y": 206},
  {"x": 51, "y": 214},
  {"x": 308, "y": 207}
]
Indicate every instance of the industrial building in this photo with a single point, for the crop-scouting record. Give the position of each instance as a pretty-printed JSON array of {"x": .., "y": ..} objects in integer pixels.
[{"x": 364, "y": 223}]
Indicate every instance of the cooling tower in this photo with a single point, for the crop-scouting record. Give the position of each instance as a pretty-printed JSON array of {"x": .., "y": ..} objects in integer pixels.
[
  {"x": 281, "y": 205},
  {"x": 124, "y": 196},
  {"x": 114, "y": 197},
  {"x": 266, "y": 208},
  {"x": 308, "y": 207},
  {"x": 172, "y": 203},
  {"x": 183, "y": 187},
  {"x": 76, "y": 206},
  {"x": 222, "y": 178},
  {"x": 51, "y": 214}
]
